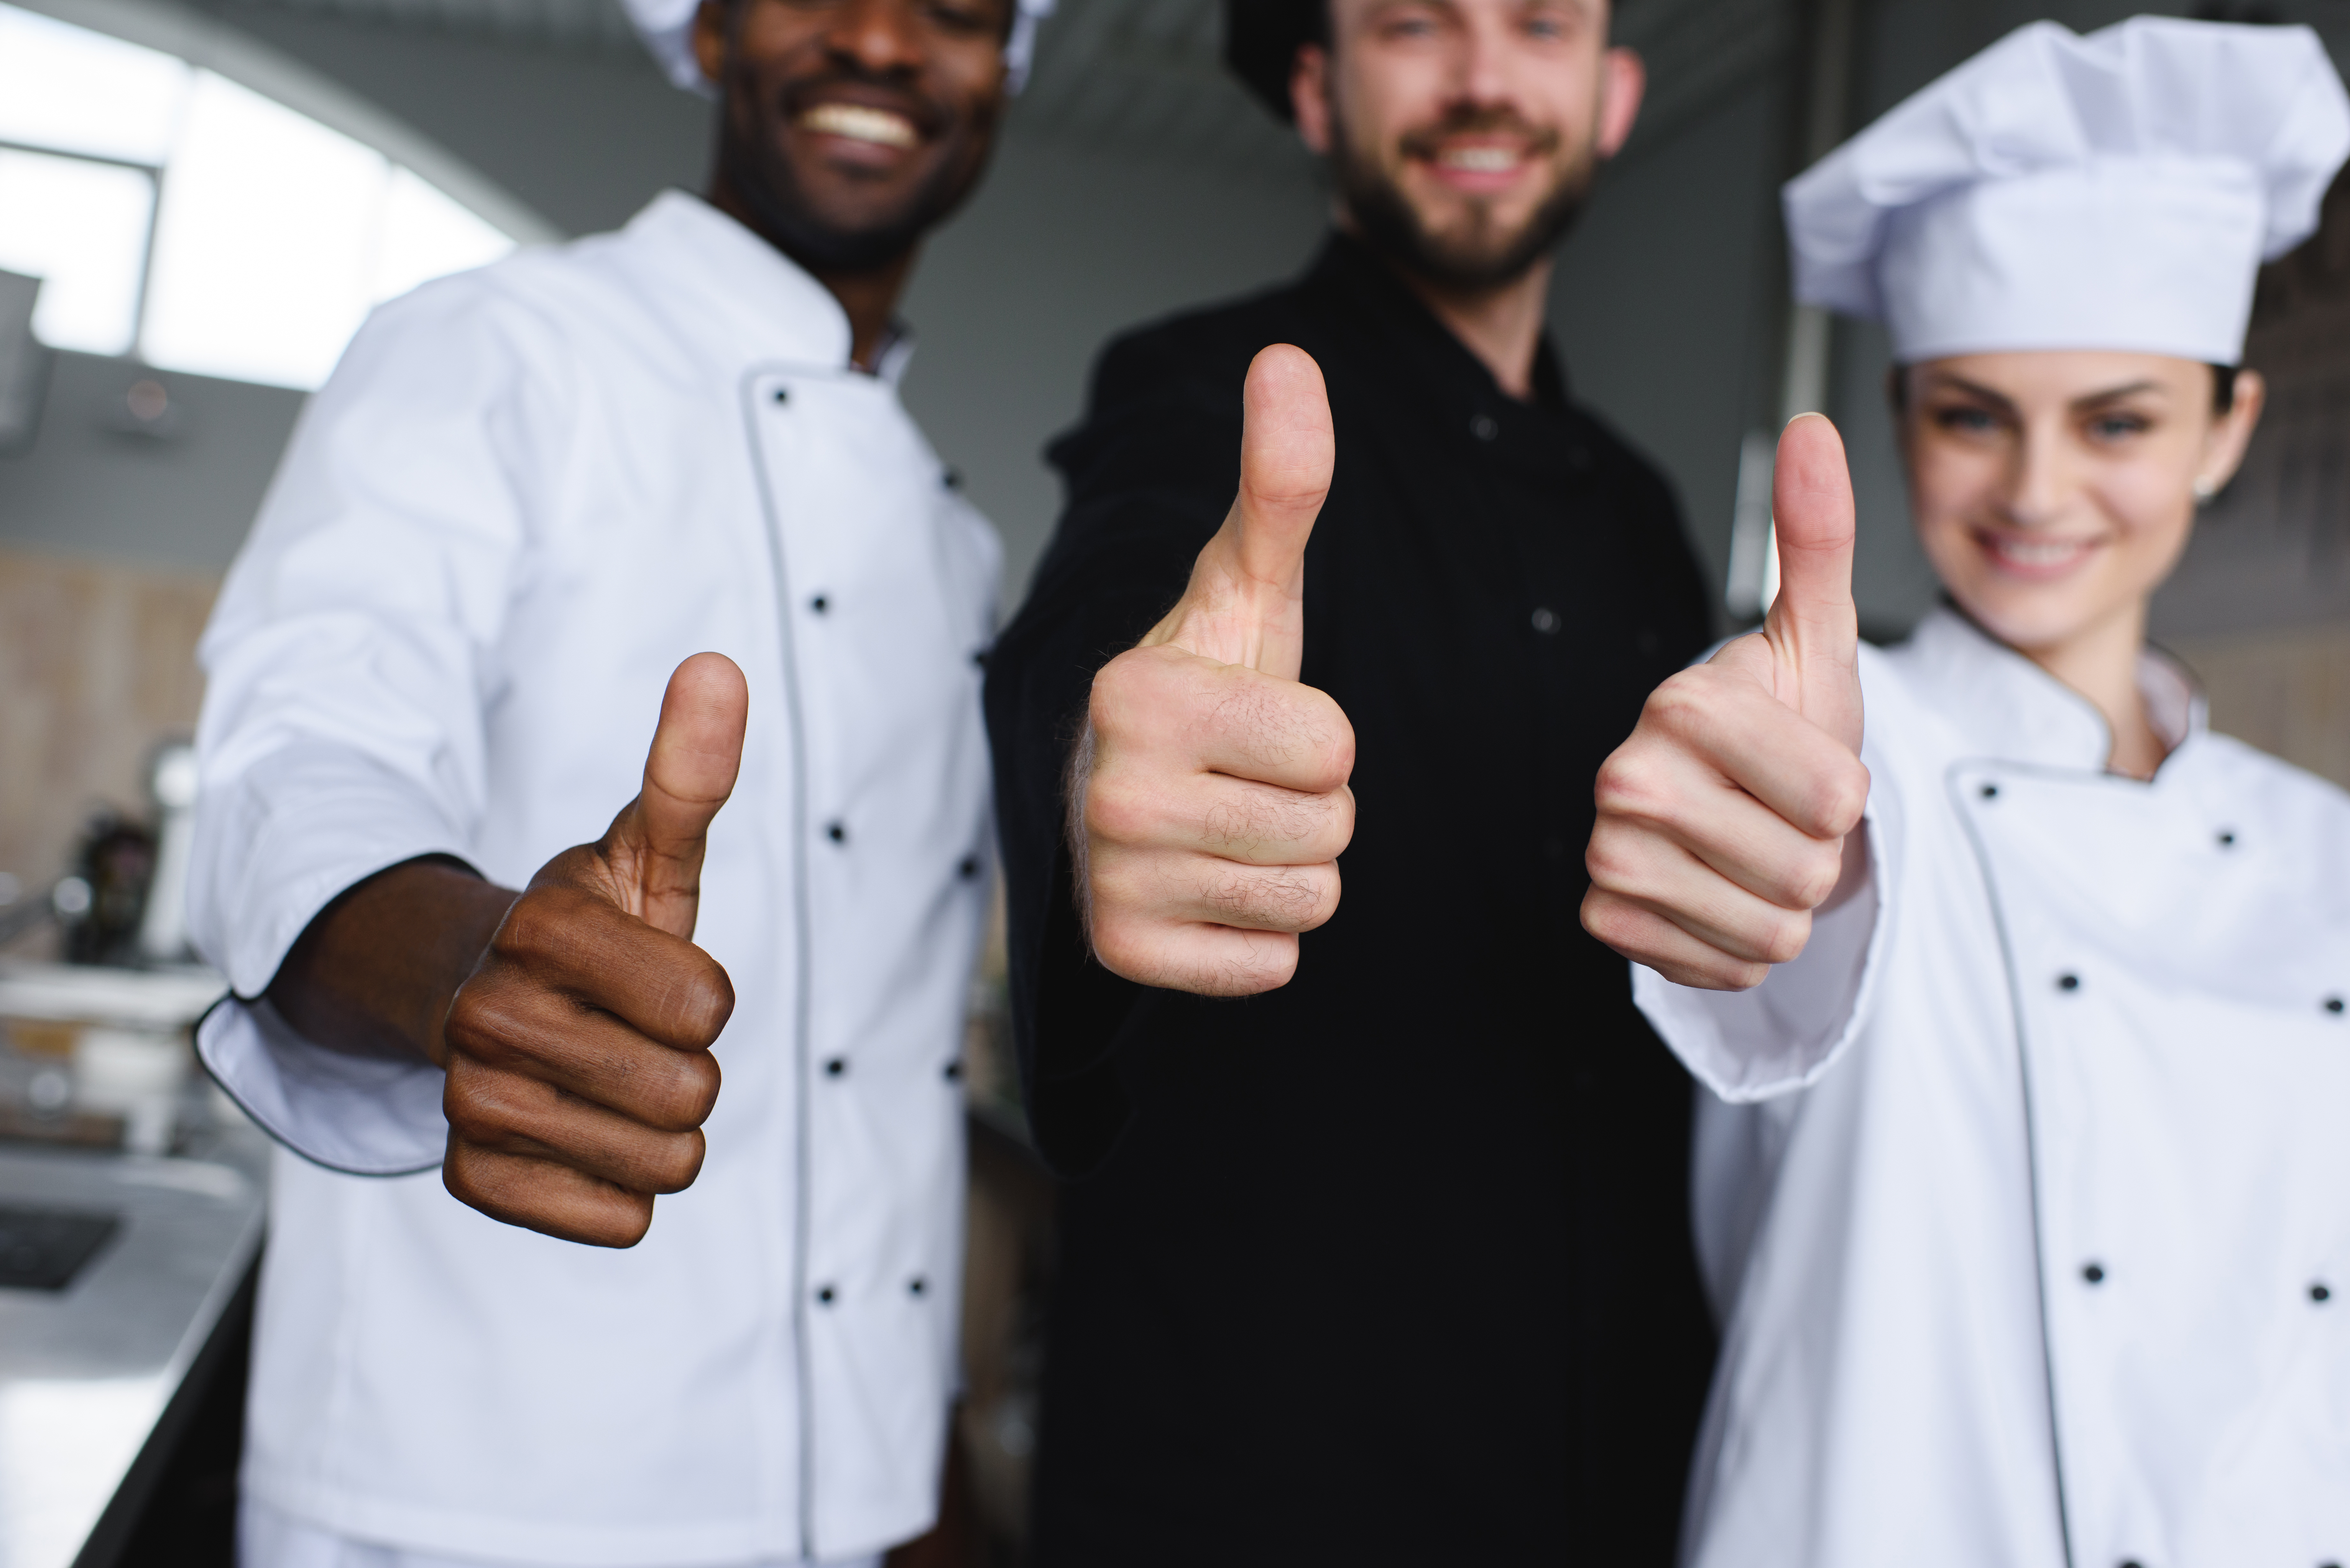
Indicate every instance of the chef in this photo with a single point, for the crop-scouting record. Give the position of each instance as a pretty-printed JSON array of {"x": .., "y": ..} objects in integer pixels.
[
  {"x": 2023, "y": 1191},
  {"x": 1389, "y": 1262},
  {"x": 526, "y": 495}
]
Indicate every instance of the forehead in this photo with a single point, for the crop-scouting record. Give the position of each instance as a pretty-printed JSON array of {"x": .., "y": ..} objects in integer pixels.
[
  {"x": 2063, "y": 375},
  {"x": 1347, "y": 15}
]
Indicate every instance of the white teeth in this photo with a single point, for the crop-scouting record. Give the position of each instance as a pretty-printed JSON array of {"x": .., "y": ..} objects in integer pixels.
[
  {"x": 1481, "y": 159},
  {"x": 858, "y": 123},
  {"x": 2039, "y": 553}
]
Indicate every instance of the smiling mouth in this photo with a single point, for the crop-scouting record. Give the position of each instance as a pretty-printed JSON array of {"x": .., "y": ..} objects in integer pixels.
[
  {"x": 2039, "y": 556},
  {"x": 1481, "y": 159},
  {"x": 860, "y": 123}
]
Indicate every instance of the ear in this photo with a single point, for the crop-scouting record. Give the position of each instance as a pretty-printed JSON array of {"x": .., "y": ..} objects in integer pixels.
[
  {"x": 710, "y": 39},
  {"x": 1309, "y": 98},
  {"x": 2231, "y": 432},
  {"x": 1623, "y": 79}
]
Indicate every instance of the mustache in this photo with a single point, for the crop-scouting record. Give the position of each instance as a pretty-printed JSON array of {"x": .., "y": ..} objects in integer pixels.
[
  {"x": 1427, "y": 141},
  {"x": 801, "y": 94}
]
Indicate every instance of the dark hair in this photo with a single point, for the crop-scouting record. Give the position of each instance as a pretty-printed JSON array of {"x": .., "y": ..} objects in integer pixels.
[
  {"x": 2223, "y": 388},
  {"x": 1262, "y": 38}
]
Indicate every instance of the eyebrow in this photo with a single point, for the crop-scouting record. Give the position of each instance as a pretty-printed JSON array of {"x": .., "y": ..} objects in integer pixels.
[{"x": 2007, "y": 405}]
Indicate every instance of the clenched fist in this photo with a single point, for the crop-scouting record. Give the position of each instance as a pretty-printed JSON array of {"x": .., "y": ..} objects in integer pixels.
[
  {"x": 1730, "y": 814},
  {"x": 574, "y": 1019},
  {"x": 577, "y": 1051},
  {"x": 1208, "y": 796}
]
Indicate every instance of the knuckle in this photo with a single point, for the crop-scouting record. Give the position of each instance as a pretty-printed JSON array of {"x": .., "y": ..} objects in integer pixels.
[
  {"x": 478, "y": 1104},
  {"x": 1631, "y": 782},
  {"x": 678, "y": 1162},
  {"x": 1611, "y": 858},
  {"x": 698, "y": 1004},
  {"x": 1115, "y": 811},
  {"x": 1783, "y": 938},
  {"x": 1683, "y": 703},
  {"x": 1249, "y": 964},
  {"x": 484, "y": 1022},
  {"x": 1119, "y": 946},
  {"x": 688, "y": 1093},
  {"x": 1820, "y": 869}
]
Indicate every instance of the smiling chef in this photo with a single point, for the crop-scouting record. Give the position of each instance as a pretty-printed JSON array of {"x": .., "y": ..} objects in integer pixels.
[
  {"x": 2023, "y": 1189},
  {"x": 527, "y": 495}
]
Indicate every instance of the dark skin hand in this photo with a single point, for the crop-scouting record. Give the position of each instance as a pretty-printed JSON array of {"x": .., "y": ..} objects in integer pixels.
[
  {"x": 573, "y": 1019},
  {"x": 850, "y": 129}
]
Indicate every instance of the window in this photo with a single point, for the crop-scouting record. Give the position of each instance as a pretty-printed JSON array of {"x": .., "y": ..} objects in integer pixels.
[{"x": 182, "y": 216}]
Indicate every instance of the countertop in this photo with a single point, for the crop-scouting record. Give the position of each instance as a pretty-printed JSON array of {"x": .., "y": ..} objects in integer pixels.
[{"x": 87, "y": 1372}]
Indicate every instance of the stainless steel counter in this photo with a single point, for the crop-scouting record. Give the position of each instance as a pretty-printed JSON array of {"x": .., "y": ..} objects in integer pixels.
[{"x": 87, "y": 1371}]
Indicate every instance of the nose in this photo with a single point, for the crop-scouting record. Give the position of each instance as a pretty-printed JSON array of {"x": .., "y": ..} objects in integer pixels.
[
  {"x": 1482, "y": 78},
  {"x": 878, "y": 37},
  {"x": 2039, "y": 481}
]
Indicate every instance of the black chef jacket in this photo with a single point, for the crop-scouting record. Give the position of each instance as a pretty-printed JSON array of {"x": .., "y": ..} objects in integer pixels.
[{"x": 1391, "y": 1265}]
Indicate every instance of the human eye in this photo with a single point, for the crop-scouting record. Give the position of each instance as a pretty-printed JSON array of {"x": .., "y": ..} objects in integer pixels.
[
  {"x": 2117, "y": 425},
  {"x": 1407, "y": 23},
  {"x": 959, "y": 16},
  {"x": 1965, "y": 419},
  {"x": 1549, "y": 24}
]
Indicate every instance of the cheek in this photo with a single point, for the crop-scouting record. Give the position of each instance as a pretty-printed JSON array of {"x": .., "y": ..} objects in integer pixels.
[
  {"x": 2152, "y": 513},
  {"x": 1946, "y": 490}
]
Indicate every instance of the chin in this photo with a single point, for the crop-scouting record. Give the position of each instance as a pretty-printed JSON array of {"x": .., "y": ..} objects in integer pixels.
[{"x": 2028, "y": 620}]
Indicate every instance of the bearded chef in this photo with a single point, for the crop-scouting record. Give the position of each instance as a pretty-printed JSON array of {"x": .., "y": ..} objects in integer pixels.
[
  {"x": 526, "y": 495},
  {"x": 2023, "y": 1191}
]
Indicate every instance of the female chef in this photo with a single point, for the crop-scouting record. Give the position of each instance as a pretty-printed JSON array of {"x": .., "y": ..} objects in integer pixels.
[{"x": 2025, "y": 1193}]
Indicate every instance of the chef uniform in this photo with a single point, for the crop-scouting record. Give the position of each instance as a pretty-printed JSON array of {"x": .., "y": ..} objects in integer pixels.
[
  {"x": 525, "y": 494},
  {"x": 2025, "y": 1194},
  {"x": 1389, "y": 1265}
]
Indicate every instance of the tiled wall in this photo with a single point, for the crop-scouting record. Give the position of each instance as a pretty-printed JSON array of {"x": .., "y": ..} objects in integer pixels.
[
  {"x": 2285, "y": 691},
  {"x": 97, "y": 668}
]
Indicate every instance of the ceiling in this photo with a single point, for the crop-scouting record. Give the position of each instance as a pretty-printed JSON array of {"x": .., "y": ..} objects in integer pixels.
[{"x": 1145, "y": 76}]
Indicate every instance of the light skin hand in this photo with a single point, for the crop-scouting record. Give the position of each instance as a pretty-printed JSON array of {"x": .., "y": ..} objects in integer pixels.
[
  {"x": 1208, "y": 796},
  {"x": 1730, "y": 814},
  {"x": 574, "y": 1020}
]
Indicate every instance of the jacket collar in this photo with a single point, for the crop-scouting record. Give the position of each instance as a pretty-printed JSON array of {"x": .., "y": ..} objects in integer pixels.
[
  {"x": 1351, "y": 280},
  {"x": 2010, "y": 708},
  {"x": 735, "y": 295}
]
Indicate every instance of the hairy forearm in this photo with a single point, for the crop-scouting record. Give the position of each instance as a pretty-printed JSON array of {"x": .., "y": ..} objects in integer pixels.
[{"x": 373, "y": 974}]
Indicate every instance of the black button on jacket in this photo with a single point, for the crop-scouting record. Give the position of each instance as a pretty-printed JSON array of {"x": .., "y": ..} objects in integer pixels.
[{"x": 1391, "y": 1265}]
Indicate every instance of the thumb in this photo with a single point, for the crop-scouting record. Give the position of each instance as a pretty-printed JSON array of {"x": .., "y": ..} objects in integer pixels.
[
  {"x": 1813, "y": 628},
  {"x": 655, "y": 845},
  {"x": 1247, "y": 601}
]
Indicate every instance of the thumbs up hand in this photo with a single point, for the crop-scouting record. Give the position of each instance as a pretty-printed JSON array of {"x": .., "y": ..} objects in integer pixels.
[
  {"x": 1208, "y": 797},
  {"x": 578, "y": 1052},
  {"x": 1730, "y": 815}
]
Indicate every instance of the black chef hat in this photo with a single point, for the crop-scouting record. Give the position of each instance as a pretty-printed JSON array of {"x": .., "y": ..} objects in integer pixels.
[{"x": 1262, "y": 38}]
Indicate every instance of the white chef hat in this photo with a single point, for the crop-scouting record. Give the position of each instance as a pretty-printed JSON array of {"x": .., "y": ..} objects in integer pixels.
[
  {"x": 2117, "y": 191},
  {"x": 667, "y": 28}
]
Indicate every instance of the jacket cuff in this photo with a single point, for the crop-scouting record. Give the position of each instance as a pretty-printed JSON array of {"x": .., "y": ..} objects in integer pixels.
[
  {"x": 362, "y": 1115},
  {"x": 1788, "y": 1032}
]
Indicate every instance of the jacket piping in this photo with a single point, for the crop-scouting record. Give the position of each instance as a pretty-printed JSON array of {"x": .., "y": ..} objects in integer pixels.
[{"x": 802, "y": 960}]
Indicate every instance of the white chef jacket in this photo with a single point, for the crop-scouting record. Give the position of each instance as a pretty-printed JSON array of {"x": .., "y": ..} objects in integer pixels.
[
  {"x": 2024, "y": 1195},
  {"x": 526, "y": 494}
]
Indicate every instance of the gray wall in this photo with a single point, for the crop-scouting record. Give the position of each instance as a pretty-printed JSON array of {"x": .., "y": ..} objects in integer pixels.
[
  {"x": 93, "y": 484},
  {"x": 1665, "y": 305}
]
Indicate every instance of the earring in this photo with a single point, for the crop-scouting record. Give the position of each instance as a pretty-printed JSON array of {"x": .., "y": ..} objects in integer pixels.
[{"x": 2204, "y": 490}]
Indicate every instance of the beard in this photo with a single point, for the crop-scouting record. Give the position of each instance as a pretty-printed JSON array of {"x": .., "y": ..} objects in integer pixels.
[
  {"x": 1478, "y": 254},
  {"x": 831, "y": 242}
]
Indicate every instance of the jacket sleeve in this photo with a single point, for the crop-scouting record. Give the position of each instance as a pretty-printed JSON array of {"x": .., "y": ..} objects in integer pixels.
[
  {"x": 1788, "y": 1032},
  {"x": 348, "y": 663},
  {"x": 1149, "y": 475}
]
